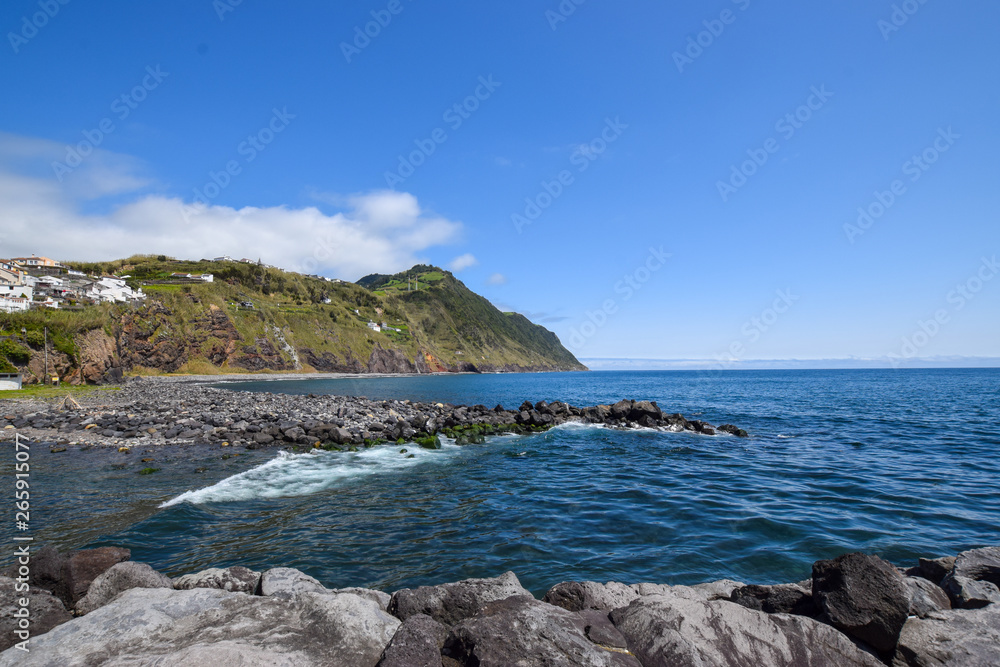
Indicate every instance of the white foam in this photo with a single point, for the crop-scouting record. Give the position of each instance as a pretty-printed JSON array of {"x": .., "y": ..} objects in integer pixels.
[
  {"x": 577, "y": 426},
  {"x": 304, "y": 474}
]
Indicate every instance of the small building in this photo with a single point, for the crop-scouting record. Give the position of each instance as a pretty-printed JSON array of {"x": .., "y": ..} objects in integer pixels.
[
  {"x": 206, "y": 277},
  {"x": 224, "y": 258},
  {"x": 374, "y": 327},
  {"x": 14, "y": 304},
  {"x": 36, "y": 262},
  {"x": 10, "y": 381}
]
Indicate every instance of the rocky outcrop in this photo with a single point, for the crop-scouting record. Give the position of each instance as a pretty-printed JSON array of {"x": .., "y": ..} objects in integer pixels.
[
  {"x": 951, "y": 638},
  {"x": 214, "y": 627},
  {"x": 863, "y": 596},
  {"x": 117, "y": 579},
  {"x": 43, "y": 612},
  {"x": 452, "y": 603},
  {"x": 237, "y": 579},
  {"x": 158, "y": 410},
  {"x": 523, "y": 631},
  {"x": 667, "y": 629},
  {"x": 292, "y": 619}
]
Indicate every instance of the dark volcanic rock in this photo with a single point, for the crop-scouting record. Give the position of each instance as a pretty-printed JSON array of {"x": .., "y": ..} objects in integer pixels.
[
  {"x": 925, "y": 597},
  {"x": 933, "y": 569},
  {"x": 44, "y": 612},
  {"x": 668, "y": 630},
  {"x": 780, "y": 599},
  {"x": 862, "y": 595},
  {"x": 525, "y": 631},
  {"x": 452, "y": 603},
  {"x": 580, "y": 595},
  {"x": 417, "y": 643},
  {"x": 82, "y": 567},
  {"x": 968, "y": 593}
]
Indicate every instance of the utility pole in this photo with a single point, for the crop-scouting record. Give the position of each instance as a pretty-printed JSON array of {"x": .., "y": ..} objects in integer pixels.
[{"x": 46, "y": 329}]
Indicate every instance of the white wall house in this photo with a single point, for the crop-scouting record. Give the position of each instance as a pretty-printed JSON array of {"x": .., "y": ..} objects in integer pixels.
[
  {"x": 14, "y": 304},
  {"x": 22, "y": 291},
  {"x": 113, "y": 290}
]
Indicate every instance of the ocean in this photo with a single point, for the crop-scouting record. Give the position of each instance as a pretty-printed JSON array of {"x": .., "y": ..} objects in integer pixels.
[{"x": 900, "y": 463}]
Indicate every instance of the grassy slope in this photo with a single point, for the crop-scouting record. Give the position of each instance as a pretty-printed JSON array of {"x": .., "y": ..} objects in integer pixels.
[{"x": 443, "y": 319}]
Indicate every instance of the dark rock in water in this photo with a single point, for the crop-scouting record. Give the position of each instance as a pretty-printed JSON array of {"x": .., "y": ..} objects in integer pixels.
[
  {"x": 933, "y": 569},
  {"x": 968, "y": 593},
  {"x": 925, "y": 597},
  {"x": 780, "y": 599},
  {"x": 524, "y": 631},
  {"x": 417, "y": 643},
  {"x": 952, "y": 638},
  {"x": 237, "y": 579},
  {"x": 581, "y": 595},
  {"x": 863, "y": 596},
  {"x": 44, "y": 612},
  {"x": 670, "y": 630},
  {"x": 452, "y": 603},
  {"x": 979, "y": 564},
  {"x": 203, "y": 626},
  {"x": 642, "y": 409},
  {"x": 621, "y": 409},
  {"x": 120, "y": 577},
  {"x": 733, "y": 430},
  {"x": 83, "y": 566}
]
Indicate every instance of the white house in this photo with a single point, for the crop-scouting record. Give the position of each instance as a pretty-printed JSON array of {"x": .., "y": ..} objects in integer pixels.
[
  {"x": 374, "y": 327},
  {"x": 224, "y": 258},
  {"x": 207, "y": 277},
  {"x": 113, "y": 290},
  {"x": 21, "y": 291},
  {"x": 14, "y": 304}
]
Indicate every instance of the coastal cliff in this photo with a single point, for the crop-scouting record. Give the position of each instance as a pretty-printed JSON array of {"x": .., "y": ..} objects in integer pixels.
[{"x": 260, "y": 319}]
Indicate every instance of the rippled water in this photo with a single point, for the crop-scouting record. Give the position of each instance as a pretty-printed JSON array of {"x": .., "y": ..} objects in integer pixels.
[{"x": 899, "y": 463}]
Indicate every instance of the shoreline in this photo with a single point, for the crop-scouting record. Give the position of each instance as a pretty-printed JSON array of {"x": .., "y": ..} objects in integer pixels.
[
  {"x": 856, "y": 609},
  {"x": 157, "y": 412}
]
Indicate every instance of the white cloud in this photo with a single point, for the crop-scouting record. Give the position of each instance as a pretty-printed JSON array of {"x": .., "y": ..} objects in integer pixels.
[
  {"x": 463, "y": 262},
  {"x": 497, "y": 279},
  {"x": 380, "y": 231}
]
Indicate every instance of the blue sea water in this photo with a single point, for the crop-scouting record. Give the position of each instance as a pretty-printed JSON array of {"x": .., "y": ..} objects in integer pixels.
[{"x": 901, "y": 463}]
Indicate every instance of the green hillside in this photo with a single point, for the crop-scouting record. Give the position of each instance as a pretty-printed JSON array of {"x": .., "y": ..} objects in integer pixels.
[{"x": 254, "y": 318}]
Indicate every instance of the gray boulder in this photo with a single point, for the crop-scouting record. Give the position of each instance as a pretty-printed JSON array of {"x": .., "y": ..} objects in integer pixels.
[
  {"x": 286, "y": 582},
  {"x": 713, "y": 590},
  {"x": 523, "y": 632},
  {"x": 118, "y": 578},
  {"x": 953, "y": 638},
  {"x": 968, "y": 593},
  {"x": 452, "y": 603},
  {"x": 417, "y": 643},
  {"x": 979, "y": 565},
  {"x": 925, "y": 597},
  {"x": 670, "y": 630},
  {"x": 863, "y": 596},
  {"x": 580, "y": 595},
  {"x": 44, "y": 612},
  {"x": 236, "y": 579},
  {"x": 378, "y": 597},
  {"x": 206, "y": 626}
]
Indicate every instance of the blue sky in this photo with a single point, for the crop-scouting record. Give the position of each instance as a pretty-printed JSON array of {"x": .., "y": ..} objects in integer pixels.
[{"x": 613, "y": 108}]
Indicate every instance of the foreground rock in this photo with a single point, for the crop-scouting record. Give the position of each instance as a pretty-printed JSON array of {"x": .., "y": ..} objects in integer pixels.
[
  {"x": 857, "y": 609},
  {"x": 863, "y": 596},
  {"x": 668, "y": 629},
  {"x": 117, "y": 579},
  {"x": 213, "y": 627},
  {"x": 452, "y": 603},
  {"x": 954, "y": 638},
  {"x": 522, "y": 631}
]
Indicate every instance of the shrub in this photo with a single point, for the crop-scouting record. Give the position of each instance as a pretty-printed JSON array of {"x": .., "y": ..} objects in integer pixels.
[
  {"x": 6, "y": 366},
  {"x": 15, "y": 352},
  {"x": 35, "y": 338}
]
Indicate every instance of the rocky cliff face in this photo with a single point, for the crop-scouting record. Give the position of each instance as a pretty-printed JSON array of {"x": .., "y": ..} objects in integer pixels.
[{"x": 157, "y": 338}]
